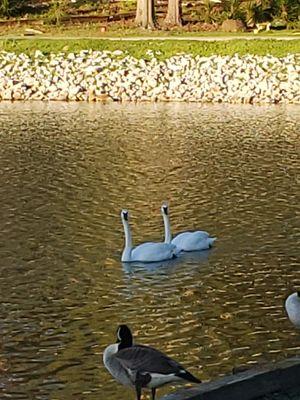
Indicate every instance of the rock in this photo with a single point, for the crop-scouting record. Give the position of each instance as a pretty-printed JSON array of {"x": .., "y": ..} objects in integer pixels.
[
  {"x": 32, "y": 32},
  {"x": 233, "y": 25},
  {"x": 7, "y": 94},
  {"x": 17, "y": 95},
  {"x": 278, "y": 24},
  {"x": 98, "y": 76}
]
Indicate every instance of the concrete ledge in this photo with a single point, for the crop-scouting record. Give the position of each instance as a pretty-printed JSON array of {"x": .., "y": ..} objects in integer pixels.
[{"x": 252, "y": 384}]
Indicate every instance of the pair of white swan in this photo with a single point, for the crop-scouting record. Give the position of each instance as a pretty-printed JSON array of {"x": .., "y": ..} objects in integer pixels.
[
  {"x": 146, "y": 252},
  {"x": 153, "y": 252}
]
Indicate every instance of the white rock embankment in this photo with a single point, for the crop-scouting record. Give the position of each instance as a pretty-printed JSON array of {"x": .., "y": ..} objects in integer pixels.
[{"x": 95, "y": 75}]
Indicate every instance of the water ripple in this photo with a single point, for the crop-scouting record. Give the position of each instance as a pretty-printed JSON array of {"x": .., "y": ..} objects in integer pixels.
[{"x": 68, "y": 169}]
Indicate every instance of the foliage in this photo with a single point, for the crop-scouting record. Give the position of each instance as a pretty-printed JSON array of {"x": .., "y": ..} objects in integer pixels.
[
  {"x": 250, "y": 12},
  {"x": 4, "y": 8},
  {"x": 162, "y": 49},
  {"x": 208, "y": 11},
  {"x": 128, "y": 5},
  {"x": 294, "y": 25},
  {"x": 292, "y": 9},
  {"x": 258, "y": 11},
  {"x": 232, "y": 10},
  {"x": 11, "y": 7},
  {"x": 57, "y": 12}
]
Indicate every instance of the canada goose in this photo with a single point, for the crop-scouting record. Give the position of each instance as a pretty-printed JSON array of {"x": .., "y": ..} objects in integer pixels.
[
  {"x": 146, "y": 252},
  {"x": 292, "y": 306},
  {"x": 141, "y": 366},
  {"x": 186, "y": 241}
]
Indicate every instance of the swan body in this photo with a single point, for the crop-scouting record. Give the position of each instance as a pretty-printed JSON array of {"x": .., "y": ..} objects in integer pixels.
[
  {"x": 186, "y": 241},
  {"x": 292, "y": 306},
  {"x": 141, "y": 366},
  {"x": 146, "y": 252},
  {"x": 193, "y": 241},
  {"x": 153, "y": 252}
]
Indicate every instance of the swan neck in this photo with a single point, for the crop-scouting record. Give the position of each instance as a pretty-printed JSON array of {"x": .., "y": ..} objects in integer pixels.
[
  {"x": 168, "y": 235},
  {"x": 128, "y": 242}
]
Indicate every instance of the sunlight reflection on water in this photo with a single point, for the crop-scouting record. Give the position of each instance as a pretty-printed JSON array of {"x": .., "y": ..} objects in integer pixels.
[{"x": 68, "y": 169}]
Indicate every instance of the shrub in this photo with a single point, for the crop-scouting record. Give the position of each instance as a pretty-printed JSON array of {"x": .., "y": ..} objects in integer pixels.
[
  {"x": 4, "y": 8},
  {"x": 56, "y": 12}
]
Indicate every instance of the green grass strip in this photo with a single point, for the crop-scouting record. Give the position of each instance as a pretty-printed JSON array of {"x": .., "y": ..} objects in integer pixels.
[{"x": 167, "y": 48}]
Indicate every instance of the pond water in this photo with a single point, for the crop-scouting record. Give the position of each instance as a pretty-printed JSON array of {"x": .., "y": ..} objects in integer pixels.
[{"x": 67, "y": 170}]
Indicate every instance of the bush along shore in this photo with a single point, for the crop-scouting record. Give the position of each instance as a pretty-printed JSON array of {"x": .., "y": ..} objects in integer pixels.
[{"x": 117, "y": 76}]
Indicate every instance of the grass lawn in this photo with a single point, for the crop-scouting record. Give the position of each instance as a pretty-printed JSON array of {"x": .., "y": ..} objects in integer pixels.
[
  {"x": 165, "y": 48},
  {"x": 127, "y": 29},
  {"x": 83, "y": 37}
]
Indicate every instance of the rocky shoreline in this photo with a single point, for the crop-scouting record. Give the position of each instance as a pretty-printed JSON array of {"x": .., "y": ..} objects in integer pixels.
[{"x": 101, "y": 76}]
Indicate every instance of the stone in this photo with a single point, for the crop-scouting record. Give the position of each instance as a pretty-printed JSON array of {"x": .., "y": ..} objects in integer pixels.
[
  {"x": 17, "y": 95},
  {"x": 7, "y": 94},
  {"x": 87, "y": 75},
  {"x": 32, "y": 32},
  {"x": 233, "y": 25}
]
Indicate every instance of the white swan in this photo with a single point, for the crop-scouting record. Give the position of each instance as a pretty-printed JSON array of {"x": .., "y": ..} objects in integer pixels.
[
  {"x": 292, "y": 306},
  {"x": 146, "y": 252},
  {"x": 186, "y": 241}
]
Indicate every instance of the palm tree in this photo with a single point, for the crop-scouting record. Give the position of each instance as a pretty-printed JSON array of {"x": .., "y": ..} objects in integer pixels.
[
  {"x": 173, "y": 16},
  {"x": 145, "y": 13}
]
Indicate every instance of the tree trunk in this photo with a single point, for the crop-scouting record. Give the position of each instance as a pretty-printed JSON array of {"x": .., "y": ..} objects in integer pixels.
[
  {"x": 139, "y": 12},
  {"x": 173, "y": 17},
  {"x": 145, "y": 13}
]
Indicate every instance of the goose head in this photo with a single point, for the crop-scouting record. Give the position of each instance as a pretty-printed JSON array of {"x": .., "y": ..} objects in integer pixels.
[{"x": 124, "y": 337}]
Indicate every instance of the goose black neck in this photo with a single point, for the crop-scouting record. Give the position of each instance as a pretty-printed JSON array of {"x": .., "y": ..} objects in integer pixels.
[{"x": 124, "y": 337}]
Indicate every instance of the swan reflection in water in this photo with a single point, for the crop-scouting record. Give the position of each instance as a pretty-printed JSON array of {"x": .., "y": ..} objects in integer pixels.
[{"x": 189, "y": 261}]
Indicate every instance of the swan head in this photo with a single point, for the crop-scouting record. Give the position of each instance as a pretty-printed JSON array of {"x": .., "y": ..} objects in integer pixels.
[
  {"x": 124, "y": 215},
  {"x": 124, "y": 337},
  {"x": 165, "y": 209}
]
